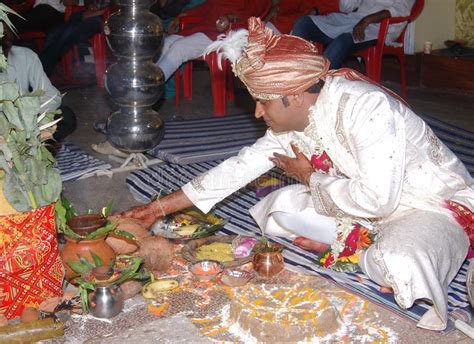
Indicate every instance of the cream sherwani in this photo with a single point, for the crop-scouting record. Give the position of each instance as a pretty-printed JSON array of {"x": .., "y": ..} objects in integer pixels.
[{"x": 390, "y": 169}]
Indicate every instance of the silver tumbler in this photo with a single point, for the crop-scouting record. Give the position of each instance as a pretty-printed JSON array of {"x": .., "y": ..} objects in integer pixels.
[{"x": 106, "y": 302}]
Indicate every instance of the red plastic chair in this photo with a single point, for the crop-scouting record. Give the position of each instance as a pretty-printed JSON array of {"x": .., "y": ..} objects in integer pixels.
[
  {"x": 99, "y": 48},
  {"x": 222, "y": 85},
  {"x": 222, "y": 81},
  {"x": 373, "y": 56}
]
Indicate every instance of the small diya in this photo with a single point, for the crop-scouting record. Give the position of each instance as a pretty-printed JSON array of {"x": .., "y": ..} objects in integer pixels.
[
  {"x": 206, "y": 270},
  {"x": 235, "y": 277}
]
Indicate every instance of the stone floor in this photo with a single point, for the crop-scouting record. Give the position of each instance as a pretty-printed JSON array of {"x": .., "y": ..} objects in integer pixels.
[{"x": 92, "y": 103}]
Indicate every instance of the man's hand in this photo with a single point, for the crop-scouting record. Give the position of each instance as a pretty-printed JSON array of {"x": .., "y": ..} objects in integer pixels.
[
  {"x": 223, "y": 22},
  {"x": 146, "y": 214},
  {"x": 299, "y": 167},
  {"x": 359, "y": 30},
  {"x": 173, "y": 26}
]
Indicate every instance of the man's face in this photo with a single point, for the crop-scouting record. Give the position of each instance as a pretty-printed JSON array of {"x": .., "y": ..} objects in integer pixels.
[
  {"x": 7, "y": 39},
  {"x": 280, "y": 117}
]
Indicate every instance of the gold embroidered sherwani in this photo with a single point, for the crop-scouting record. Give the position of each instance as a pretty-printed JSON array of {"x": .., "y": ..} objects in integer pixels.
[{"x": 389, "y": 168}]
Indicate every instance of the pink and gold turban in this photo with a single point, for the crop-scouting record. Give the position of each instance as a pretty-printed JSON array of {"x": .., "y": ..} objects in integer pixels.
[{"x": 273, "y": 66}]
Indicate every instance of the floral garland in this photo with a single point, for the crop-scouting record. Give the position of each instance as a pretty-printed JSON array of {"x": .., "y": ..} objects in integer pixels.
[
  {"x": 344, "y": 253},
  {"x": 352, "y": 238}
]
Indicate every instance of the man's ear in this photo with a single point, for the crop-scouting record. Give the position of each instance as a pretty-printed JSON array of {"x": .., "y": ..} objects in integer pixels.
[{"x": 298, "y": 99}]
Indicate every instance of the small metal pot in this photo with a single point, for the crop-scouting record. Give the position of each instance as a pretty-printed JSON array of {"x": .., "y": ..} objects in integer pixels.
[{"x": 106, "y": 302}]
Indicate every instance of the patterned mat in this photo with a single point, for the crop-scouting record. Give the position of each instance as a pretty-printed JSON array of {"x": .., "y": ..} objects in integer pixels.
[
  {"x": 73, "y": 163},
  {"x": 146, "y": 183}
]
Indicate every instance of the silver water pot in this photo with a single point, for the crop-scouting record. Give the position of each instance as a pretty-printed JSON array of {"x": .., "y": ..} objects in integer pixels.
[{"x": 106, "y": 302}]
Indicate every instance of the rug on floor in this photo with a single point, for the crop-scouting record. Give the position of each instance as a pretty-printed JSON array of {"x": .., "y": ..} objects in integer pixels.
[
  {"x": 73, "y": 163},
  {"x": 145, "y": 184}
]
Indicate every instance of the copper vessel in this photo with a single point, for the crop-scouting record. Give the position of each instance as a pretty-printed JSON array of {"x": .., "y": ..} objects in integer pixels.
[{"x": 268, "y": 261}]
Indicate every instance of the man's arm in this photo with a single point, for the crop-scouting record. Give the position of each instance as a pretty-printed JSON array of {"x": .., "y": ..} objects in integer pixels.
[
  {"x": 359, "y": 30},
  {"x": 216, "y": 184}
]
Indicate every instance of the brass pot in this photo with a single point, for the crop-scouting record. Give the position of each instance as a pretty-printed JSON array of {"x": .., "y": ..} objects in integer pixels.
[{"x": 268, "y": 261}]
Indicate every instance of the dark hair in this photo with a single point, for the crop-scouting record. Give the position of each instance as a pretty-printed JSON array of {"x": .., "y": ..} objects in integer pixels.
[{"x": 315, "y": 88}]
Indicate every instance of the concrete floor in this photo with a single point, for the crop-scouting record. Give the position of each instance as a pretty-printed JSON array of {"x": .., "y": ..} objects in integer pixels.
[{"x": 92, "y": 103}]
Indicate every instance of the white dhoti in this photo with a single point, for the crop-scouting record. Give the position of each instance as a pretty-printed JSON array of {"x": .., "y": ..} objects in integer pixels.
[{"x": 410, "y": 254}]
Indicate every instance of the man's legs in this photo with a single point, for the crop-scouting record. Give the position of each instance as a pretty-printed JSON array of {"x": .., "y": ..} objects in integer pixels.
[
  {"x": 178, "y": 49},
  {"x": 307, "y": 29},
  {"x": 341, "y": 47}
]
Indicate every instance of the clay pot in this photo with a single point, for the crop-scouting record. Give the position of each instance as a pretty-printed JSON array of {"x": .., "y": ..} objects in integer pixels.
[
  {"x": 269, "y": 262},
  {"x": 85, "y": 224},
  {"x": 83, "y": 248}
]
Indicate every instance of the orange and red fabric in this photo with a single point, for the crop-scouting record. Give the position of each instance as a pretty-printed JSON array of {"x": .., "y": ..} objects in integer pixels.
[
  {"x": 211, "y": 10},
  {"x": 31, "y": 270}
]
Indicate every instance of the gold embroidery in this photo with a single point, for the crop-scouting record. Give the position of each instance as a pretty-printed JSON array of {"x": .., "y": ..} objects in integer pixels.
[
  {"x": 197, "y": 182},
  {"x": 323, "y": 203},
  {"x": 434, "y": 148},
  {"x": 340, "y": 134}
]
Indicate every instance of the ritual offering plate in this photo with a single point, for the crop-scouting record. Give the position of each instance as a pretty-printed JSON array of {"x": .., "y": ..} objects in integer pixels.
[
  {"x": 188, "y": 225},
  {"x": 229, "y": 250}
]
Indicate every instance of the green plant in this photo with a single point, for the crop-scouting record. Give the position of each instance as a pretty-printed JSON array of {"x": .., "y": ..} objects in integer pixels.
[
  {"x": 123, "y": 268},
  {"x": 30, "y": 180},
  {"x": 65, "y": 210}
]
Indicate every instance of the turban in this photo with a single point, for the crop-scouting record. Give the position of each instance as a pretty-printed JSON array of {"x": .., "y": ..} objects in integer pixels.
[{"x": 273, "y": 66}]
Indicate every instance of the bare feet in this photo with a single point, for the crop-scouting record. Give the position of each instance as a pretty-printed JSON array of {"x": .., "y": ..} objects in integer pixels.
[{"x": 310, "y": 245}]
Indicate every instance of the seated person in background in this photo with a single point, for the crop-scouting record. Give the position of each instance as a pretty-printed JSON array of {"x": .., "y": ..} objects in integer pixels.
[
  {"x": 24, "y": 68},
  {"x": 43, "y": 17},
  {"x": 365, "y": 161},
  {"x": 284, "y": 13},
  {"x": 218, "y": 16},
  {"x": 355, "y": 28},
  {"x": 79, "y": 28}
]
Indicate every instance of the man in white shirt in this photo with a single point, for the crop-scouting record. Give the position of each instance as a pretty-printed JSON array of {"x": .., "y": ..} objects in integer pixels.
[
  {"x": 24, "y": 68},
  {"x": 355, "y": 27},
  {"x": 367, "y": 166}
]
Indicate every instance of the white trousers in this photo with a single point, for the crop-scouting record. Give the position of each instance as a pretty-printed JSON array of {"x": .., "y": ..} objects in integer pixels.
[
  {"x": 417, "y": 252},
  {"x": 179, "y": 49}
]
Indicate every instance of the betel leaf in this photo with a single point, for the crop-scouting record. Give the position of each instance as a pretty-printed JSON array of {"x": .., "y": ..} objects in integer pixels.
[
  {"x": 97, "y": 260},
  {"x": 85, "y": 262}
]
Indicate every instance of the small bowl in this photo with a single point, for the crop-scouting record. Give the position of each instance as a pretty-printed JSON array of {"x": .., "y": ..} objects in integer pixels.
[
  {"x": 87, "y": 223},
  {"x": 206, "y": 270},
  {"x": 235, "y": 277}
]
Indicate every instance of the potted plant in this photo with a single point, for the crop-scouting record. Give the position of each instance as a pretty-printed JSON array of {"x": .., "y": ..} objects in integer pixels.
[
  {"x": 29, "y": 187},
  {"x": 99, "y": 284},
  {"x": 85, "y": 236}
]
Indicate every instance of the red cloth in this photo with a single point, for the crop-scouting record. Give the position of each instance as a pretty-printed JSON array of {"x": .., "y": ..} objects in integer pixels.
[
  {"x": 464, "y": 217},
  {"x": 31, "y": 270},
  {"x": 322, "y": 162},
  {"x": 211, "y": 10},
  {"x": 290, "y": 10}
]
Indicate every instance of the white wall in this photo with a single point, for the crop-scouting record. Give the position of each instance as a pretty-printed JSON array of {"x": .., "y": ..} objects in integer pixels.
[{"x": 435, "y": 23}]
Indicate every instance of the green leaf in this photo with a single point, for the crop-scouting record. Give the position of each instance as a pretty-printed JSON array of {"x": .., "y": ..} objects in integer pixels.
[
  {"x": 107, "y": 209},
  {"x": 125, "y": 234},
  {"x": 78, "y": 267},
  {"x": 84, "y": 261},
  {"x": 101, "y": 232},
  {"x": 97, "y": 260}
]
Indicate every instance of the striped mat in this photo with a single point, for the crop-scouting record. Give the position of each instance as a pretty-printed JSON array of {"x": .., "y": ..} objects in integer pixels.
[
  {"x": 209, "y": 139},
  {"x": 206, "y": 139},
  {"x": 146, "y": 183},
  {"x": 73, "y": 163}
]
